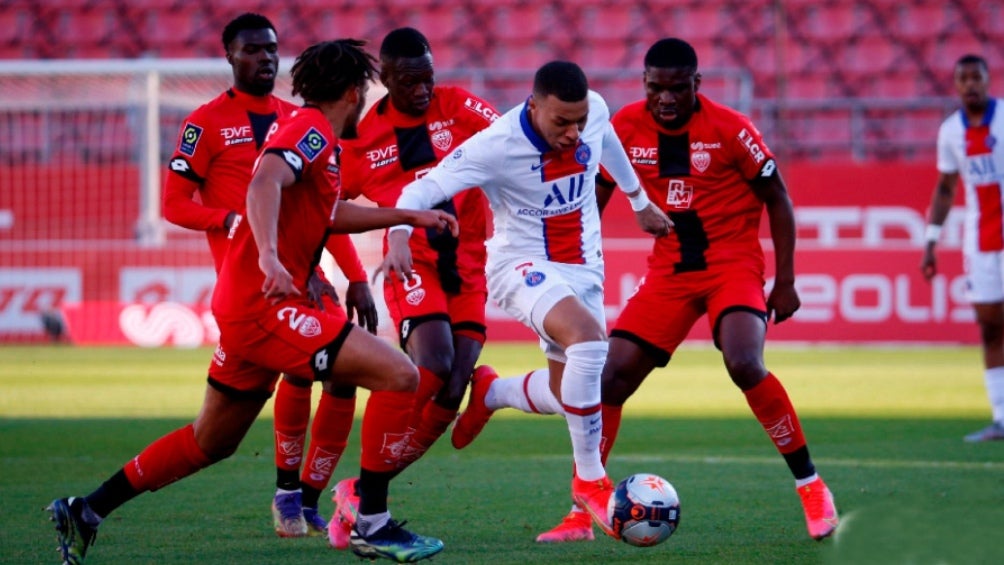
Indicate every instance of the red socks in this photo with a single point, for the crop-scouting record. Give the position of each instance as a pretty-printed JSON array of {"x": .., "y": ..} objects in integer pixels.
[
  {"x": 611, "y": 425},
  {"x": 771, "y": 406},
  {"x": 428, "y": 386},
  {"x": 292, "y": 414},
  {"x": 434, "y": 421},
  {"x": 385, "y": 429},
  {"x": 172, "y": 457},
  {"x": 328, "y": 436}
]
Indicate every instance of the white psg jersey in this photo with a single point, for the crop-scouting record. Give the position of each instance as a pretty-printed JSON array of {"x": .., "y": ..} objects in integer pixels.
[
  {"x": 543, "y": 201},
  {"x": 976, "y": 152}
]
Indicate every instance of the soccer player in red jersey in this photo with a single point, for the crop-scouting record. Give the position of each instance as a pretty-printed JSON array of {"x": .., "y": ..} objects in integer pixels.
[
  {"x": 970, "y": 151},
  {"x": 269, "y": 326},
  {"x": 215, "y": 152},
  {"x": 440, "y": 311},
  {"x": 708, "y": 168}
]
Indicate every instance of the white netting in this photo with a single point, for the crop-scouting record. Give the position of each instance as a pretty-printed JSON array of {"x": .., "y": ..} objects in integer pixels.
[{"x": 83, "y": 149}]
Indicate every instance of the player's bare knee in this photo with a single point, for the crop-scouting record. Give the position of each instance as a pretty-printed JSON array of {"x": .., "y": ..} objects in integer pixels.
[
  {"x": 402, "y": 378},
  {"x": 217, "y": 451},
  {"x": 586, "y": 334},
  {"x": 618, "y": 385},
  {"x": 437, "y": 363},
  {"x": 746, "y": 371},
  {"x": 992, "y": 334}
]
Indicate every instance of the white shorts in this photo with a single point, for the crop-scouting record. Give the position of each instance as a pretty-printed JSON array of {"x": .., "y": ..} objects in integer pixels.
[
  {"x": 984, "y": 276},
  {"x": 527, "y": 289}
]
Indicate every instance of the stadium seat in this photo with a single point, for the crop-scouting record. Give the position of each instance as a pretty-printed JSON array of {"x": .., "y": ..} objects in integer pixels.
[
  {"x": 86, "y": 28},
  {"x": 833, "y": 21},
  {"x": 612, "y": 22},
  {"x": 696, "y": 22},
  {"x": 515, "y": 25},
  {"x": 922, "y": 20},
  {"x": 352, "y": 20}
]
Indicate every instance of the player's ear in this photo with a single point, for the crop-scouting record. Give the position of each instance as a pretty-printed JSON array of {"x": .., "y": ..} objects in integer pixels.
[
  {"x": 353, "y": 95},
  {"x": 697, "y": 81}
]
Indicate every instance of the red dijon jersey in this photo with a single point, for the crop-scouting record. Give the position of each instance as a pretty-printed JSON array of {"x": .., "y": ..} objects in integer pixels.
[
  {"x": 216, "y": 147},
  {"x": 700, "y": 176},
  {"x": 394, "y": 149},
  {"x": 305, "y": 141}
]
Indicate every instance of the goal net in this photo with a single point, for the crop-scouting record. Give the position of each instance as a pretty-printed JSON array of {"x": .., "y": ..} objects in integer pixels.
[{"x": 83, "y": 148}]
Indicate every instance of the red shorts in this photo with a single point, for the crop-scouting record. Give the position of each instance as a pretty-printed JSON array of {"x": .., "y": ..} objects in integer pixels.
[
  {"x": 664, "y": 308},
  {"x": 293, "y": 337},
  {"x": 422, "y": 298}
]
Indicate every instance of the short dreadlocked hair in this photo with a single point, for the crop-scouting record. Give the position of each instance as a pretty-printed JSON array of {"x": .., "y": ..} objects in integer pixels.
[
  {"x": 244, "y": 22},
  {"x": 325, "y": 71}
]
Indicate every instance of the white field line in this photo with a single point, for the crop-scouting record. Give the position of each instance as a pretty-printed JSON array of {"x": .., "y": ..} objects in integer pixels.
[{"x": 995, "y": 466}]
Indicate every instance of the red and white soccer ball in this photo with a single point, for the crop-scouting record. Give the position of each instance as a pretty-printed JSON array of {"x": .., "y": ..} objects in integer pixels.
[{"x": 644, "y": 510}]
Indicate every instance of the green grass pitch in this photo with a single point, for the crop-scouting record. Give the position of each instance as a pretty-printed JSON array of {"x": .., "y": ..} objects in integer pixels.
[{"x": 884, "y": 426}]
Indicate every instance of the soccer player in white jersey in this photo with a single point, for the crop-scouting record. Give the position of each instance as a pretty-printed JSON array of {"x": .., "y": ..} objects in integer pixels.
[
  {"x": 970, "y": 146},
  {"x": 537, "y": 165}
]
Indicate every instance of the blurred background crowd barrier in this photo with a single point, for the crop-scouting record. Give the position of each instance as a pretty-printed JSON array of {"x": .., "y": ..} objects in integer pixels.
[{"x": 849, "y": 94}]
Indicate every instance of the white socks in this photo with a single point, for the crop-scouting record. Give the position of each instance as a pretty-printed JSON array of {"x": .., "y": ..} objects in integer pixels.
[
  {"x": 994, "y": 378},
  {"x": 530, "y": 393},
  {"x": 580, "y": 394},
  {"x": 366, "y": 525}
]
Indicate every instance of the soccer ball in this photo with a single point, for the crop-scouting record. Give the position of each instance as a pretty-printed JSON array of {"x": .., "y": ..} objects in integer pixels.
[{"x": 644, "y": 510}]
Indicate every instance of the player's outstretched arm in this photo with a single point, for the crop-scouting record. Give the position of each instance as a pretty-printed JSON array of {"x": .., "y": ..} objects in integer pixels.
[
  {"x": 353, "y": 218},
  {"x": 398, "y": 260}
]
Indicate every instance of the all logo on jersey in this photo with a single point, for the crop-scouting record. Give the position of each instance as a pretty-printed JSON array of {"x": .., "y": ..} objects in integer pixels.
[
  {"x": 534, "y": 278},
  {"x": 293, "y": 160},
  {"x": 554, "y": 165},
  {"x": 559, "y": 197},
  {"x": 454, "y": 160},
  {"x": 755, "y": 151},
  {"x": 679, "y": 194},
  {"x": 700, "y": 157},
  {"x": 481, "y": 109},
  {"x": 189, "y": 139},
  {"x": 442, "y": 139},
  {"x": 181, "y": 166},
  {"x": 311, "y": 144},
  {"x": 219, "y": 356},
  {"x": 530, "y": 277},
  {"x": 236, "y": 134},
  {"x": 302, "y": 323},
  {"x": 643, "y": 155},
  {"x": 700, "y": 160},
  {"x": 413, "y": 287}
]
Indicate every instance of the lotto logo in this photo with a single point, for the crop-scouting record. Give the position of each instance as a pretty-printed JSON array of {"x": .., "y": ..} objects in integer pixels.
[{"x": 321, "y": 361}]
